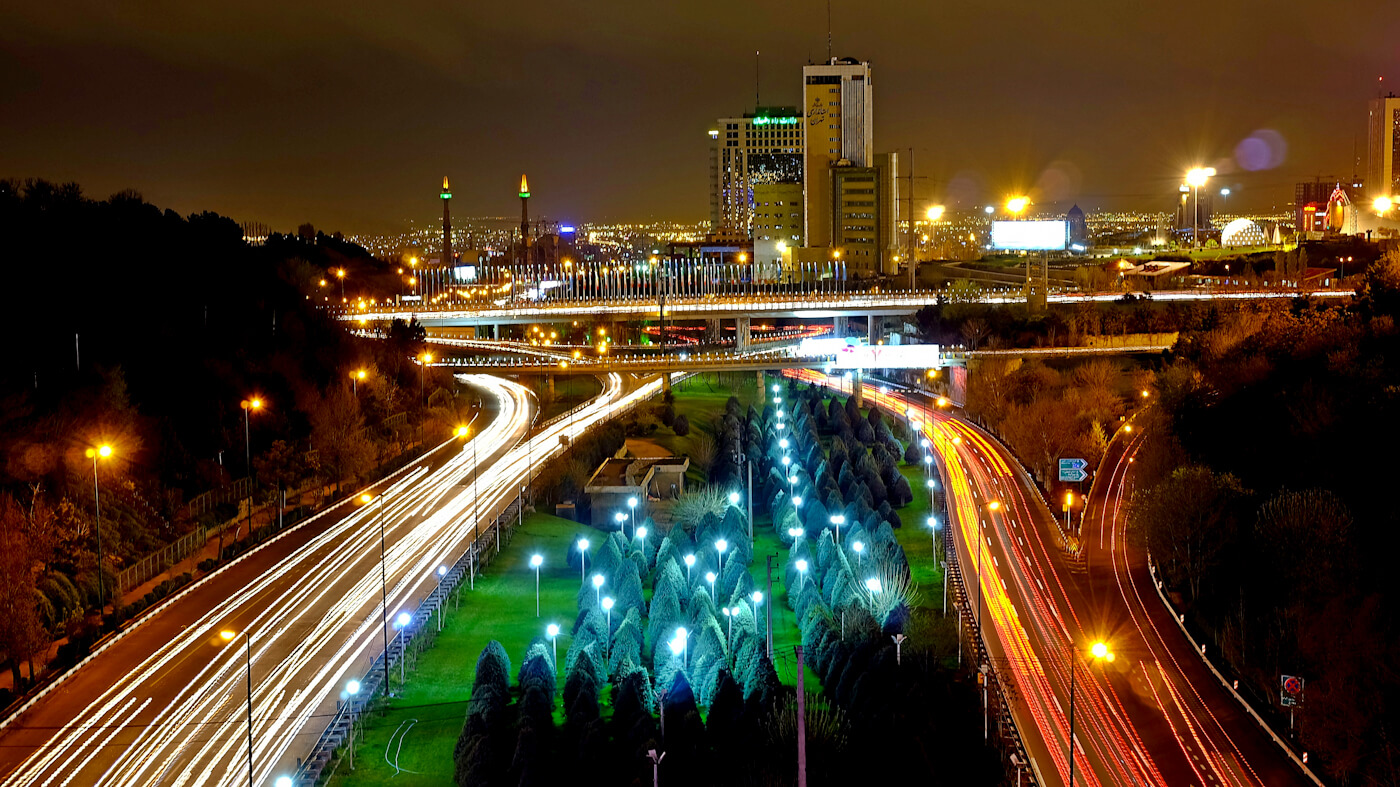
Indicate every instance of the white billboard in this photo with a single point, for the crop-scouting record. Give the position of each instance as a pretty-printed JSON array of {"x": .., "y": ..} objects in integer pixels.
[
  {"x": 823, "y": 346},
  {"x": 899, "y": 356},
  {"x": 1030, "y": 235}
]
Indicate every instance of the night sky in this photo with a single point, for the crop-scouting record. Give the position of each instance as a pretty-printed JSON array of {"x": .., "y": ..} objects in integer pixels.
[{"x": 347, "y": 115}]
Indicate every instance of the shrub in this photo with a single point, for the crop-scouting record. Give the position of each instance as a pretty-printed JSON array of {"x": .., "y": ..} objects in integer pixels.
[{"x": 681, "y": 426}]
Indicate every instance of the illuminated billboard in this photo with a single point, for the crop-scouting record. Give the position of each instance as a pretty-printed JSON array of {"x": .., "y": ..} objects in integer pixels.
[
  {"x": 1030, "y": 235},
  {"x": 898, "y": 356}
]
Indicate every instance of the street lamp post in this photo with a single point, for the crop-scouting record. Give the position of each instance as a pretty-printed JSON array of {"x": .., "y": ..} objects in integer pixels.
[
  {"x": 535, "y": 562},
  {"x": 352, "y": 689},
  {"x": 553, "y": 631},
  {"x": 710, "y": 578},
  {"x": 103, "y": 451},
  {"x": 228, "y": 636},
  {"x": 582, "y": 544},
  {"x": 598, "y": 587},
  {"x": 838, "y": 520},
  {"x": 689, "y": 562},
  {"x": 248, "y": 405},
  {"x": 1099, "y": 650},
  {"x": 401, "y": 623},
  {"x": 720, "y": 546},
  {"x": 1196, "y": 178},
  {"x": 632, "y": 512},
  {"x": 441, "y": 572},
  {"x": 801, "y": 574},
  {"x": 383, "y": 588},
  {"x": 425, "y": 359}
]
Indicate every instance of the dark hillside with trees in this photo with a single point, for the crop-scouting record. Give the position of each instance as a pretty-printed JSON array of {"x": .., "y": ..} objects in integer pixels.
[{"x": 145, "y": 330}]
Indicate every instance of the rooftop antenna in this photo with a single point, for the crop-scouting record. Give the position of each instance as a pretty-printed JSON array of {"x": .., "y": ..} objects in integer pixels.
[
  {"x": 755, "y": 80},
  {"x": 828, "y": 32}
]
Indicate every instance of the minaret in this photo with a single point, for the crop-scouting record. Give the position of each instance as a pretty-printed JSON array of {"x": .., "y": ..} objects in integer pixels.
[
  {"x": 446, "y": 223},
  {"x": 524, "y": 217}
]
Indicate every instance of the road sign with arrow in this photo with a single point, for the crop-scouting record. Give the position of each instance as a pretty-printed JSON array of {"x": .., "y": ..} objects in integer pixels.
[{"x": 1072, "y": 470}]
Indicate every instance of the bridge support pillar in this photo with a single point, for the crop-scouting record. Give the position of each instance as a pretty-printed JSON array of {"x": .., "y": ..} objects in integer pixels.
[
  {"x": 758, "y": 387},
  {"x": 874, "y": 326},
  {"x": 838, "y": 327},
  {"x": 549, "y": 386},
  {"x": 742, "y": 336},
  {"x": 857, "y": 391},
  {"x": 714, "y": 331},
  {"x": 665, "y": 382}
]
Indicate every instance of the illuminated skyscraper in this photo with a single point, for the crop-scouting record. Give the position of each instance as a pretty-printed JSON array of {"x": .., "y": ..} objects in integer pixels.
[
  {"x": 761, "y": 149},
  {"x": 524, "y": 218},
  {"x": 1383, "y": 124},
  {"x": 838, "y": 100}
]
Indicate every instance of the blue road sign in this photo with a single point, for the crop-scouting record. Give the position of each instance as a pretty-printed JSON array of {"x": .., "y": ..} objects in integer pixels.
[{"x": 1073, "y": 470}]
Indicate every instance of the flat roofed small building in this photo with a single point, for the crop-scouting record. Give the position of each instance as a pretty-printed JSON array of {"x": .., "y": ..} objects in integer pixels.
[{"x": 618, "y": 480}]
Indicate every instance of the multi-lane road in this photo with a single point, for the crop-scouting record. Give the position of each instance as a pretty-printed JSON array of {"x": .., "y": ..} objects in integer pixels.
[
  {"x": 1152, "y": 713},
  {"x": 166, "y": 703}
]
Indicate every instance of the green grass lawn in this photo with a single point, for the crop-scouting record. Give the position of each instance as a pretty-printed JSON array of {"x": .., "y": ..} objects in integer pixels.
[{"x": 502, "y": 607}]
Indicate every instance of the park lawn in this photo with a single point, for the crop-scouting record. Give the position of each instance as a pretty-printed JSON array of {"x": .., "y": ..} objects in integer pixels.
[
  {"x": 917, "y": 542},
  {"x": 500, "y": 608},
  {"x": 701, "y": 400}
]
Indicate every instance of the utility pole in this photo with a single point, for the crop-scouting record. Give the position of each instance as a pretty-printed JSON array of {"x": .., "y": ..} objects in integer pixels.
[{"x": 913, "y": 267}]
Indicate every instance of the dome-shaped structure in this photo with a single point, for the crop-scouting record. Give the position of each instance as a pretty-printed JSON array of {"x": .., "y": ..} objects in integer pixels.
[{"x": 1242, "y": 232}]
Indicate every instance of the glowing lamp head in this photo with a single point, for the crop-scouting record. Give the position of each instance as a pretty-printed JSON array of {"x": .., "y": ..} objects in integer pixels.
[
  {"x": 631, "y": 502},
  {"x": 783, "y": 443},
  {"x": 682, "y": 634},
  {"x": 536, "y": 561},
  {"x": 403, "y": 619},
  {"x": 858, "y": 546},
  {"x": 689, "y": 561},
  {"x": 710, "y": 577},
  {"x": 935, "y": 212},
  {"x": 283, "y": 781},
  {"x": 462, "y": 431},
  {"x": 1017, "y": 204},
  {"x": 620, "y": 517},
  {"x": 994, "y": 505},
  {"x": 1382, "y": 204},
  {"x": 1198, "y": 176},
  {"x": 227, "y": 635},
  {"x": 872, "y": 585},
  {"x": 797, "y": 502},
  {"x": 676, "y": 645},
  {"x": 582, "y": 545},
  {"x": 802, "y": 566},
  {"x": 838, "y": 519},
  {"x": 442, "y": 571},
  {"x": 598, "y": 580},
  {"x": 104, "y": 450},
  {"x": 353, "y": 687},
  {"x": 608, "y": 603},
  {"x": 734, "y": 498},
  {"x": 641, "y": 532},
  {"x": 757, "y": 597},
  {"x": 1100, "y": 650},
  {"x": 552, "y": 630},
  {"x": 932, "y": 522},
  {"x": 795, "y": 532},
  {"x": 366, "y": 497}
]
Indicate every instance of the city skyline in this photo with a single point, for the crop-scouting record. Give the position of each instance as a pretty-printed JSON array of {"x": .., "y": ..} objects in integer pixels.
[{"x": 341, "y": 119}]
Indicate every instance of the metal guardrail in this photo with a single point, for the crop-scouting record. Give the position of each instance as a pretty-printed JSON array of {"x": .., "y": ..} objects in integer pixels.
[{"x": 162, "y": 559}]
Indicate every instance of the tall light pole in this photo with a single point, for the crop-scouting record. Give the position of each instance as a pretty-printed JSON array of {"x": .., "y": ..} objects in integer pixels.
[
  {"x": 100, "y": 452},
  {"x": 598, "y": 588},
  {"x": 1196, "y": 178},
  {"x": 227, "y": 636},
  {"x": 582, "y": 545},
  {"x": 401, "y": 623},
  {"x": 552, "y": 630},
  {"x": 1099, "y": 650},
  {"x": 355, "y": 378},
  {"x": 632, "y": 512},
  {"x": 248, "y": 405},
  {"x": 425, "y": 359},
  {"x": 535, "y": 562},
  {"x": 689, "y": 563},
  {"x": 838, "y": 520},
  {"x": 383, "y": 587}
]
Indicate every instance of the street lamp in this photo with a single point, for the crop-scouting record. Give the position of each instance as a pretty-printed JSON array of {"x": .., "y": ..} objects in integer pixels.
[
  {"x": 1016, "y": 205},
  {"x": 619, "y": 518},
  {"x": 383, "y": 587},
  {"x": 729, "y": 618},
  {"x": 552, "y": 631},
  {"x": 598, "y": 587},
  {"x": 227, "y": 636},
  {"x": 932, "y": 523},
  {"x": 632, "y": 505},
  {"x": 607, "y": 607},
  {"x": 801, "y": 574},
  {"x": 683, "y": 637},
  {"x": 720, "y": 546},
  {"x": 797, "y": 501},
  {"x": 582, "y": 559},
  {"x": 248, "y": 405},
  {"x": 103, "y": 451},
  {"x": 642, "y": 534},
  {"x": 873, "y": 585},
  {"x": 932, "y": 487},
  {"x": 1099, "y": 651},
  {"x": 796, "y": 532},
  {"x": 355, "y": 378},
  {"x": 535, "y": 562},
  {"x": 426, "y": 359},
  {"x": 689, "y": 561},
  {"x": 1196, "y": 178},
  {"x": 838, "y": 520},
  {"x": 859, "y": 549},
  {"x": 352, "y": 689},
  {"x": 401, "y": 623},
  {"x": 710, "y": 578},
  {"x": 441, "y": 572}
]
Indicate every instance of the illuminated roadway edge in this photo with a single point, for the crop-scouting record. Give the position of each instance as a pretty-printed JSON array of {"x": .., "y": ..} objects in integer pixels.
[
  {"x": 315, "y": 621},
  {"x": 816, "y": 307},
  {"x": 1144, "y": 720}
]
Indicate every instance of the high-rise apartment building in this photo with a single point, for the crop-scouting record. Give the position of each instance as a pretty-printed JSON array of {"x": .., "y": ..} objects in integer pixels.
[
  {"x": 864, "y": 201},
  {"x": 838, "y": 101},
  {"x": 764, "y": 148},
  {"x": 1383, "y": 124}
]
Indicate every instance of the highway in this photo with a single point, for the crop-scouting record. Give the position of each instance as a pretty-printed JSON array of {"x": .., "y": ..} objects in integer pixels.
[
  {"x": 166, "y": 703},
  {"x": 1147, "y": 716}
]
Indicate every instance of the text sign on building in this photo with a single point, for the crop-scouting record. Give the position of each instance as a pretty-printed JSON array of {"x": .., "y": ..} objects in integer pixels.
[
  {"x": 902, "y": 356},
  {"x": 1030, "y": 235}
]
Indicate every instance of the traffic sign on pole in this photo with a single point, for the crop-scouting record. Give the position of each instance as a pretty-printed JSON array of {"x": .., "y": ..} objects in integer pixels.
[
  {"x": 1290, "y": 691},
  {"x": 1073, "y": 470}
]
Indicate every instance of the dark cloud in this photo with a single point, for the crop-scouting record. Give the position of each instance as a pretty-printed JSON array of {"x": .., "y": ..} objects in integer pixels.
[{"x": 348, "y": 115}]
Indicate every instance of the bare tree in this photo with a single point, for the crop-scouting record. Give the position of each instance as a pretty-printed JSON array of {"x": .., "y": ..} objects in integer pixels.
[{"x": 974, "y": 330}]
